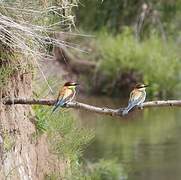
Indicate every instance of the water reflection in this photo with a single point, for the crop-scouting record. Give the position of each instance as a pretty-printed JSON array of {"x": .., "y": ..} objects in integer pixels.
[{"x": 147, "y": 143}]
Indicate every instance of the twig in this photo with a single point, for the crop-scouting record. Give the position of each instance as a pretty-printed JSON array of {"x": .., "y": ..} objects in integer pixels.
[{"x": 78, "y": 105}]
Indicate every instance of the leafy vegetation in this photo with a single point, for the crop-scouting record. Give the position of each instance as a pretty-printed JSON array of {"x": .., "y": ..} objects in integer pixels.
[
  {"x": 114, "y": 14},
  {"x": 158, "y": 63},
  {"x": 151, "y": 54},
  {"x": 105, "y": 170},
  {"x": 68, "y": 140},
  {"x": 102, "y": 170}
]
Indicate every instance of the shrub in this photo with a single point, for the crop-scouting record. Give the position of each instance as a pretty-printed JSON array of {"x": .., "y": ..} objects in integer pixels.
[{"x": 159, "y": 63}]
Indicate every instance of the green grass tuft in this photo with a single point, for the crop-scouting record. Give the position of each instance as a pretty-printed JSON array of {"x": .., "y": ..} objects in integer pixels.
[{"x": 105, "y": 170}]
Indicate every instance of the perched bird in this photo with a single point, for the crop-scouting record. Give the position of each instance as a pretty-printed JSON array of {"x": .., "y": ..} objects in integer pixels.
[
  {"x": 66, "y": 94},
  {"x": 137, "y": 97}
]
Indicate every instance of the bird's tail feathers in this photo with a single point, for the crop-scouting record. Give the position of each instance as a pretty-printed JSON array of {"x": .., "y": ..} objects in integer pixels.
[
  {"x": 127, "y": 109},
  {"x": 56, "y": 106},
  {"x": 59, "y": 103}
]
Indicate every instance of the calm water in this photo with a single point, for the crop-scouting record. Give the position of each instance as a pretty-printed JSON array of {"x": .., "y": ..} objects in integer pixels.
[{"x": 147, "y": 143}]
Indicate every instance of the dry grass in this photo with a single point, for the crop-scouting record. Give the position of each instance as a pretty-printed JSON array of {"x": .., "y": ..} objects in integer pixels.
[{"x": 28, "y": 27}]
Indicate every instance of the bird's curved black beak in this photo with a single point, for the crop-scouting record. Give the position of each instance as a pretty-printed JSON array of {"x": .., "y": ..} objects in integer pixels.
[
  {"x": 77, "y": 84},
  {"x": 147, "y": 85}
]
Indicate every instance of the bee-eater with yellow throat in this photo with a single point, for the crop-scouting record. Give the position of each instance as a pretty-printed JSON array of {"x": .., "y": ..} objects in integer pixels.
[
  {"x": 66, "y": 94},
  {"x": 137, "y": 97}
]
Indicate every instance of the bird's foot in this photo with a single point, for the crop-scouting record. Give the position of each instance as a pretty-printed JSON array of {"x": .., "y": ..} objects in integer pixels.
[
  {"x": 141, "y": 106},
  {"x": 120, "y": 110},
  {"x": 64, "y": 105}
]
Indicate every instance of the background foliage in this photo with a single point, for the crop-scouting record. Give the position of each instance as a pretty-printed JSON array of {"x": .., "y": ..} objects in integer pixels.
[{"x": 126, "y": 42}]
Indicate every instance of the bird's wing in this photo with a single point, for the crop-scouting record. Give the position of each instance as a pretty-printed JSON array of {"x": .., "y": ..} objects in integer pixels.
[
  {"x": 69, "y": 95},
  {"x": 61, "y": 94},
  {"x": 135, "y": 97},
  {"x": 65, "y": 95}
]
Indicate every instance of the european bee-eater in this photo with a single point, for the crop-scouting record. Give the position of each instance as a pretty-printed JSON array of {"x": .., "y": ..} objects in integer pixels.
[
  {"x": 66, "y": 94},
  {"x": 137, "y": 97}
]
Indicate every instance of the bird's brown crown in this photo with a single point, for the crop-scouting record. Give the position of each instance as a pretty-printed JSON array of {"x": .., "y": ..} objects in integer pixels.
[
  {"x": 71, "y": 84},
  {"x": 140, "y": 85}
]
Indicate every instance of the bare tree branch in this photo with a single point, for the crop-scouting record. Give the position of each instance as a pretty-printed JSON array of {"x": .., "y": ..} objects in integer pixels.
[{"x": 78, "y": 105}]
